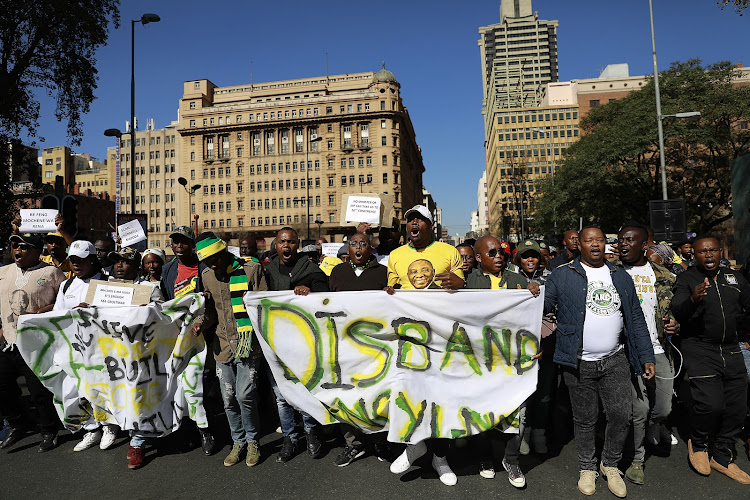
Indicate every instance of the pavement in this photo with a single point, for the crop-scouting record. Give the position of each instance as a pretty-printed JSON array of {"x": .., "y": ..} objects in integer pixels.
[{"x": 170, "y": 472}]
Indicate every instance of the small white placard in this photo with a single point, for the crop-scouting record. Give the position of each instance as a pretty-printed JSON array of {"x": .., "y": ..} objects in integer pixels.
[
  {"x": 363, "y": 209},
  {"x": 131, "y": 233},
  {"x": 331, "y": 249},
  {"x": 234, "y": 250},
  {"x": 109, "y": 295},
  {"x": 38, "y": 221}
]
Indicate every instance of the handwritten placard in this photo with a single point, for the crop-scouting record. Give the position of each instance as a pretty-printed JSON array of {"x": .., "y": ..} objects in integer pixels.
[
  {"x": 38, "y": 221},
  {"x": 131, "y": 233},
  {"x": 331, "y": 249},
  {"x": 234, "y": 250},
  {"x": 111, "y": 295},
  {"x": 363, "y": 209}
]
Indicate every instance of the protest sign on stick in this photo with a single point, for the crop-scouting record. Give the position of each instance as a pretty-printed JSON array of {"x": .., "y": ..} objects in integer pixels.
[
  {"x": 131, "y": 233},
  {"x": 38, "y": 220}
]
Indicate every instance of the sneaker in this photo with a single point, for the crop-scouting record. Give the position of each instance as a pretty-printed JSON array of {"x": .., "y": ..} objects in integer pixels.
[
  {"x": 109, "y": 435},
  {"x": 89, "y": 439},
  {"x": 288, "y": 450},
  {"x": 408, "y": 457},
  {"x": 446, "y": 475},
  {"x": 698, "y": 459},
  {"x": 382, "y": 450},
  {"x": 652, "y": 435},
  {"x": 525, "y": 450},
  {"x": 732, "y": 471},
  {"x": 15, "y": 434},
  {"x": 635, "y": 474},
  {"x": 253, "y": 454},
  {"x": 208, "y": 443},
  {"x": 539, "y": 441},
  {"x": 314, "y": 446},
  {"x": 673, "y": 440},
  {"x": 587, "y": 482},
  {"x": 348, "y": 455},
  {"x": 665, "y": 436},
  {"x": 614, "y": 480},
  {"x": 235, "y": 455},
  {"x": 487, "y": 470},
  {"x": 135, "y": 458},
  {"x": 49, "y": 441},
  {"x": 515, "y": 476}
]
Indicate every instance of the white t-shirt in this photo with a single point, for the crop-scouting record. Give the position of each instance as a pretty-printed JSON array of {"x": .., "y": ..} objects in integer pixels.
[
  {"x": 603, "y": 322},
  {"x": 76, "y": 292},
  {"x": 644, "y": 280}
]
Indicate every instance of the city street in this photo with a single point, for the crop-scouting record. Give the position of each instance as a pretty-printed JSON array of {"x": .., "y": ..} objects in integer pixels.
[{"x": 62, "y": 473}]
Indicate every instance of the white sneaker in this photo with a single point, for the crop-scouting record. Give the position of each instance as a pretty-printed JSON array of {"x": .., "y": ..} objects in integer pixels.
[
  {"x": 108, "y": 438},
  {"x": 673, "y": 441},
  {"x": 525, "y": 450},
  {"x": 539, "y": 441},
  {"x": 410, "y": 454},
  {"x": 89, "y": 440},
  {"x": 447, "y": 477}
]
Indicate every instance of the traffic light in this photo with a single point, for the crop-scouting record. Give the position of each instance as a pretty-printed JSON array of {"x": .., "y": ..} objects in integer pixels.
[
  {"x": 70, "y": 214},
  {"x": 50, "y": 202}
]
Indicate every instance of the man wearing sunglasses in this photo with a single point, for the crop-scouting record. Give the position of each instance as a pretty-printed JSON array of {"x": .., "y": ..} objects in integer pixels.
[
  {"x": 27, "y": 287},
  {"x": 708, "y": 301}
]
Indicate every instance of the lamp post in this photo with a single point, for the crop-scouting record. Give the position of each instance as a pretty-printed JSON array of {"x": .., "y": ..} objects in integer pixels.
[
  {"x": 319, "y": 223},
  {"x": 548, "y": 131},
  {"x": 113, "y": 132},
  {"x": 307, "y": 180},
  {"x": 364, "y": 183},
  {"x": 183, "y": 182},
  {"x": 145, "y": 19}
]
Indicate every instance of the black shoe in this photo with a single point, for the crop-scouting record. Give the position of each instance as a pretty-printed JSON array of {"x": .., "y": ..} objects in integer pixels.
[
  {"x": 652, "y": 435},
  {"x": 208, "y": 443},
  {"x": 314, "y": 446},
  {"x": 288, "y": 450},
  {"x": 665, "y": 436},
  {"x": 14, "y": 435},
  {"x": 49, "y": 441},
  {"x": 348, "y": 455},
  {"x": 382, "y": 450}
]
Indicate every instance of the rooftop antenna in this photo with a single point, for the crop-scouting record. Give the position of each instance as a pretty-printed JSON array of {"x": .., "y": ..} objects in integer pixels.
[
  {"x": 251, "y": 76},
  {"x": 326, "y": 67}
]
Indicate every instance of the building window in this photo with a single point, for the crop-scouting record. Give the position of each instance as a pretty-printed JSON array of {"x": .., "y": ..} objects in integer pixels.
[
  {"x": 385, "y": 160},
  {"x": 385, "y": 178},
  {"x": 594, "y": 103}
]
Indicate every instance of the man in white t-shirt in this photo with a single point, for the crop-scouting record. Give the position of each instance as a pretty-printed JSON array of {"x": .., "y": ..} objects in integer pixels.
[
  {"x": 602, "y": 338},
  {"x": 652, "y": 399}
]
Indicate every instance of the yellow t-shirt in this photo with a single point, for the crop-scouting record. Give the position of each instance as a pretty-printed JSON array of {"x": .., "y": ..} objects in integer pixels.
[
  {"x": 65, "y": 267},
  {"x": 416, "y": 269},
  {"x": 329, "y": 263},
  {"x": 495, "y": 282}
]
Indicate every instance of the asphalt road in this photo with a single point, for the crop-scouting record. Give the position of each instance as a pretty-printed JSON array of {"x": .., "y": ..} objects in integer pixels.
[{"x": 169, "y": 473}]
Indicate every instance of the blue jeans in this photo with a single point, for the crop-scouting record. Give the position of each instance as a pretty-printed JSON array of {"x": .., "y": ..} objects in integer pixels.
[
  {"x": 286, "y": 414},
  {"x": 137, "y": 440},
  {"x": 238, "y": 380},
  {"x": 746, "y": 357}
]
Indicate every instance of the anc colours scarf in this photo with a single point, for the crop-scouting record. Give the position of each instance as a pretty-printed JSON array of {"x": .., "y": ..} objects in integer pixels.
[{"x": 237, "y": 288}]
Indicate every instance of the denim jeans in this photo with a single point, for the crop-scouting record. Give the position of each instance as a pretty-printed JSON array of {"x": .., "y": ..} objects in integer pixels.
[
  {"x": 137, "y": 440},
  {"x": 238, "y": 380},
  {"x": 746, "y": 356},
  {"x": 652, "y": 402},
  {"x": 286, "y": 414},
  {"x": 609, "y": 380}
]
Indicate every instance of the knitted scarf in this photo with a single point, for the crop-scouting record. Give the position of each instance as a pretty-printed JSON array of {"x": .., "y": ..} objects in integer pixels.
[{"x": 237, "y": 288}]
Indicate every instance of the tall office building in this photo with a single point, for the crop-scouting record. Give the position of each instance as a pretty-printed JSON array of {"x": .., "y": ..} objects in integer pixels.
[
  {"x": 519, "y": 56},
  {"x": 283, "y": 153}
]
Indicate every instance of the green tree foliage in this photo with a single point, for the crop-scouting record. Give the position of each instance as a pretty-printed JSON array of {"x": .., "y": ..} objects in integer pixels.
[
  {"x": 612, "y": 172},
  {"x": 739, "y": 5},
  {"x": 47, "y": 46}
]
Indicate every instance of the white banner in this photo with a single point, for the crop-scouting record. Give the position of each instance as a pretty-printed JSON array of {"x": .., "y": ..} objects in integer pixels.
[
  {"x": 138, "y": 367},
  {"x": 417, "y": 364},
  {"x": 38, "y": 220}
]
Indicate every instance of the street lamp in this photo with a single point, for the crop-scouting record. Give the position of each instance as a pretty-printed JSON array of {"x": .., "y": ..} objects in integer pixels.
[
  {"x": 548, "y": 131},
  {"x": 113, "y": 132},
  {"x": 307, "y": 180},
  {"x": 190, "y": 192},
  {"x": 319, "y": 223},
  {"x": 364, "y": 183},
  {"x": 145, "y": 19}
]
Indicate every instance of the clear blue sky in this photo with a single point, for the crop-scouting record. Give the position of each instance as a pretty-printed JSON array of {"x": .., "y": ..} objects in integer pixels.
[{"x": 431, "y": 47}]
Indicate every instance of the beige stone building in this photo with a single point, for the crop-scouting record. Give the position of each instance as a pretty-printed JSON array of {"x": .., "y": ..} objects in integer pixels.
[
  {"x": 57, "y": 160},
  {"x": 158, "y": 194},
  {"x": 93, "y": 175},
  {"x": 268, "y": 154}
]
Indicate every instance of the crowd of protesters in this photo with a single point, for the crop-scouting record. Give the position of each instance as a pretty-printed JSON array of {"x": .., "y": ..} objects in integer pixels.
[{"x": 626, "y": 324}]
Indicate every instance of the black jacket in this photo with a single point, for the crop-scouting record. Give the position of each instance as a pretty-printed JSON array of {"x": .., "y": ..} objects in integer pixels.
[
  {"x": 344, "y": 279},
  {"x": 713, "y": 319},
  {"x": 304, "y": 273}
]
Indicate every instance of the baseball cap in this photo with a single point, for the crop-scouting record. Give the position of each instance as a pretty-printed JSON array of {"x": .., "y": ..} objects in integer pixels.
[
  {"x": 543, "y": 246},
  {"x": 421, "y": 210},
  {"x": 528, "y": 245},
  {"x": 184, "y": 231},
  {"x": 81, "y": 248},
  {"x": 56, "y": 234},
  {"x": 310, "y": 249},
  {"x": 33, "y": 239},
  {"x": 343, "y": 250},
  {"x": 127, "y": 253},
  {"x": 505, "y": 247}
]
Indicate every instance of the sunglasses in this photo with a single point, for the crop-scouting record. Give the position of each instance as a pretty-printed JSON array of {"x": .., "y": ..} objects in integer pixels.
[
  {"x": 22, "y": 246},
  {"x": 493, "y": 252},
  {"x": 360, "y": 244}
]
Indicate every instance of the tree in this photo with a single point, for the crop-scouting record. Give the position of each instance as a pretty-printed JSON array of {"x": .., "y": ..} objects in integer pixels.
[
  {"x": 612, "y": 172},
  {"x": 47, "y": 46},
  {"x": 739, "y": 5}
]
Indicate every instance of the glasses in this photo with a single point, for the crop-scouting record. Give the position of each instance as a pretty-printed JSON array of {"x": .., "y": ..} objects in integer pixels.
[
  {"x": 493, "y": 253},
  {"x": 360, "y": 244},
  {"x": 22, "y": 246}
]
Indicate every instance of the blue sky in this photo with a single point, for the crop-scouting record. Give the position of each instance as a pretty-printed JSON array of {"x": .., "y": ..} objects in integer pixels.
[{"x": 431, "y": 47}]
